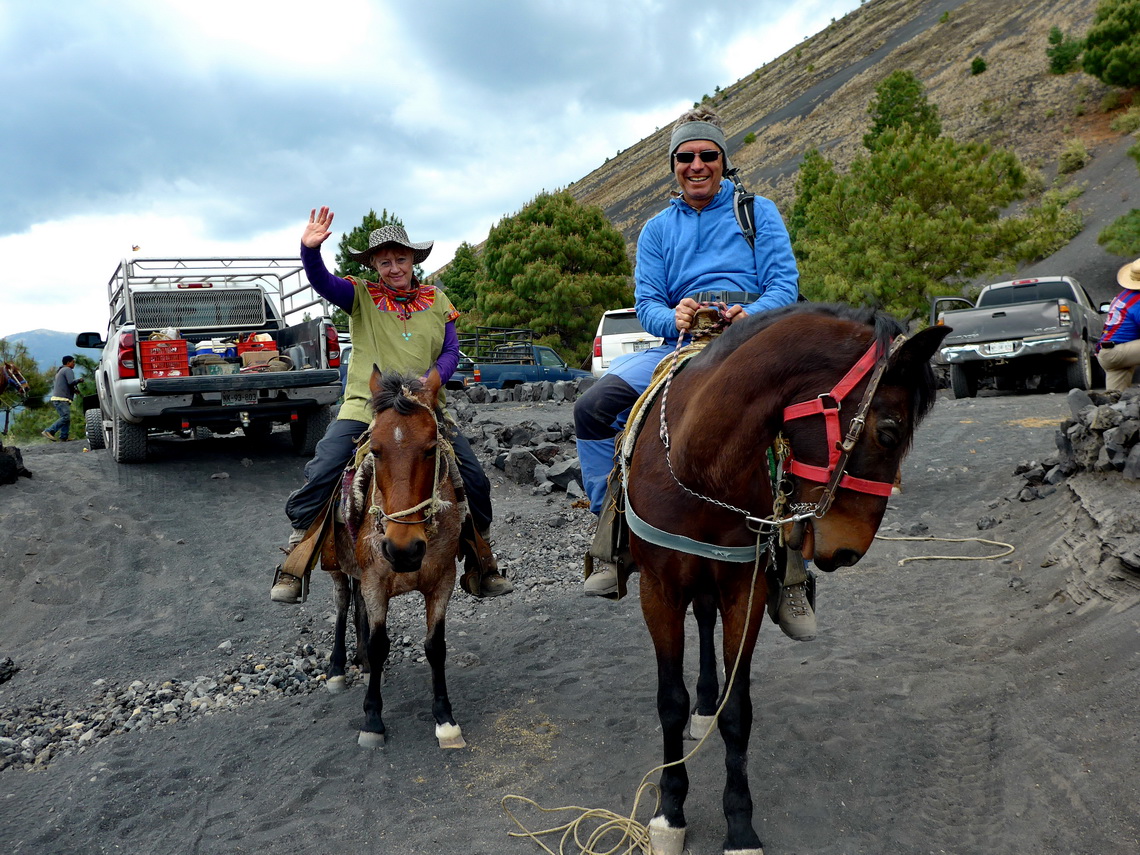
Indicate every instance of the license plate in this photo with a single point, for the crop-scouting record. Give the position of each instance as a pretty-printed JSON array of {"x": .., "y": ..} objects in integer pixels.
[
  {"x": 642, "y": 345},
  {"x": 239, "y": 399},
  {"x": 1000, "y": 347}
]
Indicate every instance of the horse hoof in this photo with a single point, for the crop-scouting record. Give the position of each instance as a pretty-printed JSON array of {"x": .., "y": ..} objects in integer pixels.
[
  {"x": 663, "y": 839},
  {"x": 449, "y": 736},
  {"x": 336, "y": 685},
  {"x": 368, "y": 739},
  {"x": 699, "y": 725}
]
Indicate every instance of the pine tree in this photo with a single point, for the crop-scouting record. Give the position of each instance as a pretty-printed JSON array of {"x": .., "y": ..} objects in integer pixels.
[
  {"x": 554, "y": 267},
  {"x": 1112, "y": 45},
  {"x": 901, "y": 99},
  {"x": 920, "y": 214}
]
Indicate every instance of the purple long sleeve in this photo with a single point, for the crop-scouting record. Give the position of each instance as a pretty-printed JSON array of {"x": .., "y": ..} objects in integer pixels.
[
  {"x": 449, "y": 356},
  {"x": 337, "y": 291}
]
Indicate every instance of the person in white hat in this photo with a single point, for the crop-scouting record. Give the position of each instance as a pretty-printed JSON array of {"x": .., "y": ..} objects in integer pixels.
[
  {"x": 400, "y": 325},
  {"x": 1119, "y": 350}
]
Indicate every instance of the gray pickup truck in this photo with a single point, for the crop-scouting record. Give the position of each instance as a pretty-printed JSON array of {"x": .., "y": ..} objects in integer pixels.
[
  {"x": 1024, "y": 331},
  {"x": 202, "y": 345}
]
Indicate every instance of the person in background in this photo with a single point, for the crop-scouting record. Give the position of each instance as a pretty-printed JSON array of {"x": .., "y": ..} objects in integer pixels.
[
  {"x": 399, "y": 325},
  {"x": 1119, "y": 349},
  {"x": 690, "y": 255},
  {"x": 62, "y": 391}
]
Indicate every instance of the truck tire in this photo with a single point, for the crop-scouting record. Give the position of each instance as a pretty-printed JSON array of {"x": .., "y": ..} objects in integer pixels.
[
  {"x": 308, "y": 429},
  {"x": 128, "y": 442},
  {"x": 93, "y": 427},
  {"x": 1078, "y": 373},
  {"x": 203, "y": 432},
  {"x": 963, "y": 381}
]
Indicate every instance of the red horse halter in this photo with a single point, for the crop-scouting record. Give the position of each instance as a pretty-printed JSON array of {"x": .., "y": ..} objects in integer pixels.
[{"x": 828, "y": 405}]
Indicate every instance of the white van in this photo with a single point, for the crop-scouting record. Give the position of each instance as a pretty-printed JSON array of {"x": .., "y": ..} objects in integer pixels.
[{"x": 619, "y": 333}]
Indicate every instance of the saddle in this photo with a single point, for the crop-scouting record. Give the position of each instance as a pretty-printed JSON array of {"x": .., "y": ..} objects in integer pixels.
[{"x": 611, "y": 538}]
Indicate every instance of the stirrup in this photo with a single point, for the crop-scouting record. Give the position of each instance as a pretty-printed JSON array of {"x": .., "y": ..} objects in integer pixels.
[{"x": 278, "y": 572}]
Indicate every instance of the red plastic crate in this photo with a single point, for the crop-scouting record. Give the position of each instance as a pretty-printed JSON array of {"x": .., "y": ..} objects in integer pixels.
[
  {"x": 248, "y": 346},
  {"x": 164, "y": 359}
]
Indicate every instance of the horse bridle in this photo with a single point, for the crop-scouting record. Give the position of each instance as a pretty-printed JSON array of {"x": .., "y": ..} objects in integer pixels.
[
  {"x": 431, "y": 505},
  {"x": 835, "y": 475}
]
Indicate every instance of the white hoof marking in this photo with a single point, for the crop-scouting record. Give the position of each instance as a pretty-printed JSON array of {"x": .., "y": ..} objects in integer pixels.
[
  {"x": 367, "y": 739},
  {"x": 664, "y": 839},
  {"x": 449, "y": 736},
  {"x": 336, "y": 685},
  {"x": 699, "y": 725}
]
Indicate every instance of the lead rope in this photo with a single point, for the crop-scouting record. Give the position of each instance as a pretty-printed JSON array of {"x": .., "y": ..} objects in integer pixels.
[{"x": 632, "y": 830}]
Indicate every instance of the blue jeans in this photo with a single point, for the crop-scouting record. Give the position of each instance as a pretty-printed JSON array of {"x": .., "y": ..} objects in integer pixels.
[
  {"x": 322, "y": 475},
  {"x": 63, "y": 423}
]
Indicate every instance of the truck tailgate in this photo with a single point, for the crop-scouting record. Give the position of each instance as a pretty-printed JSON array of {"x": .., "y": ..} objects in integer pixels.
[
  {"x": 999, "y": 323},
  {"x": 242, "y": 382}
]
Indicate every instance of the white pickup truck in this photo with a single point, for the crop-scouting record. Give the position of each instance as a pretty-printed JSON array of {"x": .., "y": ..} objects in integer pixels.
[{"x": 201, "y": 345}]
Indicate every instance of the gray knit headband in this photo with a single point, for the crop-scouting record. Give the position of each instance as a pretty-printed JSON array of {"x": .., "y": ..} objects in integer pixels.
[{"x": 698, "y": 131}]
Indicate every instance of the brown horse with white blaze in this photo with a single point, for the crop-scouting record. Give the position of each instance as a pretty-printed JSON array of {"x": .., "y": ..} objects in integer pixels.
[
  {"x": 841, "y": 390},
  {"x": 400, "y": 532}
]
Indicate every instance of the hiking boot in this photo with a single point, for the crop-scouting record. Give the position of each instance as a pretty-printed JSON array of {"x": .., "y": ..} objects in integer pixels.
[
  {"x": 796, "y": 616},
  {"x": 494, "y": 584},
  {"x": 47, "y": 434},
  {"x": 286, "y": 588},
  {"x": 603, "y": 581}
]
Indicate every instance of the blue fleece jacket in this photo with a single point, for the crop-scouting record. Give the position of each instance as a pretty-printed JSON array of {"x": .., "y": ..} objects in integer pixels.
[{"x": 683, "y": 251}]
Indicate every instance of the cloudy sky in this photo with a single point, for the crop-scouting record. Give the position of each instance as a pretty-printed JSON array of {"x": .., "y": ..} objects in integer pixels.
[{"x": 211, "y": 127}]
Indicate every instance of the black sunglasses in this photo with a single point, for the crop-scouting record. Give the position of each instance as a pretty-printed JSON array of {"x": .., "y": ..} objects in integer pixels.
[{"x": 709, "y": 155}]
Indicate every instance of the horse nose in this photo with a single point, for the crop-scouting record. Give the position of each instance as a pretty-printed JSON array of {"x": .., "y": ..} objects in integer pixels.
[
  {"x": 846, "y": 558},
  {"x": 404, "y": 558}
]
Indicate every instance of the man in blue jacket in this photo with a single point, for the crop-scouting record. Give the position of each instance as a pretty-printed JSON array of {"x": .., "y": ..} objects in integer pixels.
[{"x": 691, "y": 254}]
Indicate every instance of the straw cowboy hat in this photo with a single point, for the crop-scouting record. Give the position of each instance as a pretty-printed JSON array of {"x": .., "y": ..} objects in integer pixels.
[
  {"x": 392, "y": 234},
  {"x": 1129, "y": 275}
]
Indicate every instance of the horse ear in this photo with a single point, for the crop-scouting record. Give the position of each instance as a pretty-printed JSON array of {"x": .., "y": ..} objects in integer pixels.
[
  {"x": 374, "y": 380},
  {"x": 917, "y": 350}
]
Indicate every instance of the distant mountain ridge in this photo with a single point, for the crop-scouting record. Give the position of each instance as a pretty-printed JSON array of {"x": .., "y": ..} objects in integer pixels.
[{"x": 47, "y": 346}]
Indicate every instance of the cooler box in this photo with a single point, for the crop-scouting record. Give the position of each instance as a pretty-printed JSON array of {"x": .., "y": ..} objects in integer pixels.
[{"x": 164, "y": 359}]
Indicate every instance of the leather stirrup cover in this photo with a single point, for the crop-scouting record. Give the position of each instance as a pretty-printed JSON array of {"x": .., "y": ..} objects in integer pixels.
[{"x": 305, "y": 555}]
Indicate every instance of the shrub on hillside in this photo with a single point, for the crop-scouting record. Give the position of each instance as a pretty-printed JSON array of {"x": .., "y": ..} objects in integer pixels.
[
  {"x": 1064, "y": 52},
  {"x": 1126, "y": 122},
  {"x": 1073, "y": 157},
  {"x": 977, "y": 66},
  {"x": 1112, "y": 45},
  {"x": 1123, "y": 236}
]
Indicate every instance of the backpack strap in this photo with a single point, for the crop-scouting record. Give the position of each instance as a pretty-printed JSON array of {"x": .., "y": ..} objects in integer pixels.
[{"x": 742, "y": 207}]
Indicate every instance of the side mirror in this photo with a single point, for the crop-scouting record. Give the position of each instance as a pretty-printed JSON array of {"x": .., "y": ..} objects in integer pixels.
[{"x": 91, "y": 340}]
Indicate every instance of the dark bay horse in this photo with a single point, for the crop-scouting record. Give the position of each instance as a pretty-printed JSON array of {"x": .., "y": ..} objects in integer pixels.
[
  {"x": 801, "y": 373},
  {"x": 400, "y": 532}
]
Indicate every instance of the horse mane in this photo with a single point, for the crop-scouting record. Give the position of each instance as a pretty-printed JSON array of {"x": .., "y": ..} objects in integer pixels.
[
  {"x": 923, "y": 389},
  {"x": 395, "y": 393}
]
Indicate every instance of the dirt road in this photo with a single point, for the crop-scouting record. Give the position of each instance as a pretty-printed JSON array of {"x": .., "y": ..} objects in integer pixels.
[{"x": 947, "y": 706}]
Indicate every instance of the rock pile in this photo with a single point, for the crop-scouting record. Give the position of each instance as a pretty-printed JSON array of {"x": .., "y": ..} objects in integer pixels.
[
  {"x": 1103, "y": 436},
  {"x": 32, "y": 735},
  {"x": 527, "y": 453}
]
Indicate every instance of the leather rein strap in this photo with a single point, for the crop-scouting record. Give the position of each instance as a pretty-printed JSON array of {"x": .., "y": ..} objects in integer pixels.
[{"x": 828, "y": 405}]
